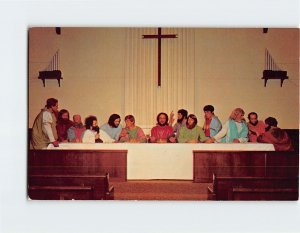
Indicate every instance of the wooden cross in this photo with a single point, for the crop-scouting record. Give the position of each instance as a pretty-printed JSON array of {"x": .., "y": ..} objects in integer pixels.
[{"x": 159, "y": 36}]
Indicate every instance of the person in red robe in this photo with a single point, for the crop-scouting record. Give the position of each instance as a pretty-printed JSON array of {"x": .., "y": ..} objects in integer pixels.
[
  {"x": 162, "y": 131},
  {"x": 255, "y": 127},
  {"x": 63, "y": 124},
  {"x": 278, "y": 137}
]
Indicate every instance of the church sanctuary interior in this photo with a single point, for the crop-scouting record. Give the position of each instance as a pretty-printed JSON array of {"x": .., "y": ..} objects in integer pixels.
[{"x": 145, "y": 71}]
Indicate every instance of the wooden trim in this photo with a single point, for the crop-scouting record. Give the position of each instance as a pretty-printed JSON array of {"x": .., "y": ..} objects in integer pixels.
[
  {"x": 83, "y": 150},
  {"x": 60, "y": 188}
]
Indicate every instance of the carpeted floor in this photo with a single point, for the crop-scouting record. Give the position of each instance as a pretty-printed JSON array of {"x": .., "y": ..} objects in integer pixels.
[{"x": 160, "y": 190}]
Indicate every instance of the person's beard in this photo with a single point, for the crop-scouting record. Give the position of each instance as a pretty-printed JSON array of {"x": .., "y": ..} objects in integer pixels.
[
  {"x": 190, "y": 126},
  {"x": 78, "y": 125},
  {"x": 268, "y": 128},
  {"x": 164, "y": 124},
  {"x": 114, "y": 125},
  {"x": 96, "y": 128},
  {"x": 64, "y": 121},
  {"x": 179, "y": 121},
  {"x": 254, "y": 124}
]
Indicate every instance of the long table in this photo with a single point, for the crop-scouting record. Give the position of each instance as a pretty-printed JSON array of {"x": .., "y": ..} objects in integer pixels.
[{"x": 162, "y": 161}]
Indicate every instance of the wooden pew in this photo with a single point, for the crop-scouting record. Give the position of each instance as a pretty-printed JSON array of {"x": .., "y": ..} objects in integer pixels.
[
  {"x": 258, "y": 188},
  {"x": 78, "y": 187},
  {"x": 248, "y": 194}
]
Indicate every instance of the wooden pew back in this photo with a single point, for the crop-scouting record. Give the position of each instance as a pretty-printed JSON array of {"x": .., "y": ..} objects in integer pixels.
[
  {"x": 81, "y": 187},
  {"x": 250, "y": 194},
  {"x": 223, "y": 187}
]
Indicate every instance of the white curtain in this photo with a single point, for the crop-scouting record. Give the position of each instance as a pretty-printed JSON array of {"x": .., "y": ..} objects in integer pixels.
[{"x": 143, "y": 97}]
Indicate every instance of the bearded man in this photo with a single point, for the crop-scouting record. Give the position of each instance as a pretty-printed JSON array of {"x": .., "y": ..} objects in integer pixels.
[
  {"x": 278, "y": 137},
  {"x": 181, "y": 121},
  {"x": 63, "y": 125},
  {"x": 255, "y": 127},
  {"x": 113, "y": 127},
  {"x": 162, "y": 131}
]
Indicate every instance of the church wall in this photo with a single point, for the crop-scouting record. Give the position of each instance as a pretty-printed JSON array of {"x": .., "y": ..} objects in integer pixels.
[
  {"x": 229, "y": 65},
  {"x": 228, "y": 70},
  {"x": 92, "y": 64}
]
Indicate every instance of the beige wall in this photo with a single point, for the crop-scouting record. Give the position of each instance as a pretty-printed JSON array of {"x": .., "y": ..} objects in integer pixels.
[
  {"x": 228, "y": 71},
  {"x": 230, "y": 64},
  {"x": 92, "y": 67}
]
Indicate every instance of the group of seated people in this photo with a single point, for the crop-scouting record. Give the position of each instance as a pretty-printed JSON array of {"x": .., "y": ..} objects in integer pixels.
[{"x": 46, "y": 129}]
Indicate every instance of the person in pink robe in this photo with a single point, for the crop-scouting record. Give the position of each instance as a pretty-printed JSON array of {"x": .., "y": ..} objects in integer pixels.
[
  {"x": 162, "y": 131},
  {"x": 255, "y": 127}
]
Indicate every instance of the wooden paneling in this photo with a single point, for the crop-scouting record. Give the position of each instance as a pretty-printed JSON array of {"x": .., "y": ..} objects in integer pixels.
[
  {"x": 78, "y": 162},
  {"x": 255, "y": 194},
  {"x": 78, "y": 187},
  {"x": 227, "y": 164},
  {"x": 235, "y": 164},
  {"x": 282, "y": 163},
  {"x": 254, "y": 188}
]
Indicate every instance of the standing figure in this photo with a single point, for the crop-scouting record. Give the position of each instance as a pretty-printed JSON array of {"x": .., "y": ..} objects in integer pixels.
[{"x": 44, "y": 126}]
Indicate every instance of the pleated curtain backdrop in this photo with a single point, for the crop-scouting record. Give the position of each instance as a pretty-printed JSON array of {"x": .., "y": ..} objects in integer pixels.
[{"x": 143, "y": 97}]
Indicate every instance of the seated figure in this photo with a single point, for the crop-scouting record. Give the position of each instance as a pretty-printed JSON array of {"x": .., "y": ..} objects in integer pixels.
[
  {"x": 278, "y": 137},
  {"x": 132, "y": 133},
  {"x": 191, "y": 132},
  {"x": 162, "y": 131},
  {"x": 212, "y": 124},
  {"x": 91, "y": 134},
  {"x": 112, "y": 128},
  {"x": 181, "y": 121},
  {"x": 75, "y": 132},
  {"x": 255, "y": 127},
  {"x": 235, "y": 130}
]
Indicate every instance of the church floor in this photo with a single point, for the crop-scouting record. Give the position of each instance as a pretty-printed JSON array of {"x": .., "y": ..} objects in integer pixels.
[{"x": 160, "y": 190}]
